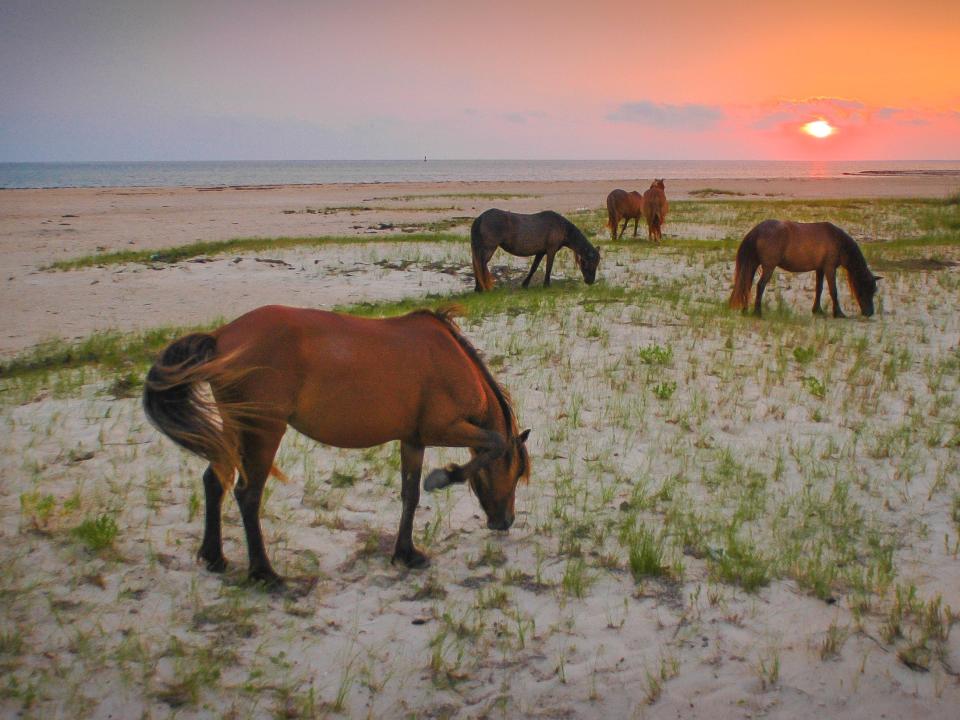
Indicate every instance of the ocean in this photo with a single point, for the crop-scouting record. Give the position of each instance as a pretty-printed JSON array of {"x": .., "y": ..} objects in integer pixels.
[{"x": 249, "y": 173}]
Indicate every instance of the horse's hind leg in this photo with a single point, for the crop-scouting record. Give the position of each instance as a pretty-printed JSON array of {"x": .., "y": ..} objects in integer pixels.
[
  {"x": 211, "y": 549},
  {"x": 482, "y": 278},
  {"x": 533, "y": 269},
  {"x": 623, "y": 229},
  {"x": 832, "y": 284},
  {"x": 258, "y": 451},
  {"x": 765, "y": 275},
  {"x": 636, "y": 220},
  {"x": 817, "y": 309},
  {"x": 411, "y": 465}
]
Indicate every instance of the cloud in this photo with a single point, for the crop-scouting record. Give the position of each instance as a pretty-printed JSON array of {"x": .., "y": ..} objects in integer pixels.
[
  {"x": 841, "y": 112},
  {"x": 521, "y": 118},
  {"x": 885, "y": 113},
  {"x": 677, "y": 117}
]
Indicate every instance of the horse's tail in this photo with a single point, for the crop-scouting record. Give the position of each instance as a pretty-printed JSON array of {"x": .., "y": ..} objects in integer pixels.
[
  {"x": 748, "y": 261},
  {"x": 482, "y": 277},
  {"x": 177, "y": 404},
  {"x": 612, "y": 219},
  {"x": 656, "y": 222}
]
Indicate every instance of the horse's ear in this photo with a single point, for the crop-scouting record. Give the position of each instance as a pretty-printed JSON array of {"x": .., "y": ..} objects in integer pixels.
[{"x": 522, "y": 437}]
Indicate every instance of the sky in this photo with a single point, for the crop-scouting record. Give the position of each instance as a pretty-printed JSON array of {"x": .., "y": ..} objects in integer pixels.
[{"x": 372, "y": 79}]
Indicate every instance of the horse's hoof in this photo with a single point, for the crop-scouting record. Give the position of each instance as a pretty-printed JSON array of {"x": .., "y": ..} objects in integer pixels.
[
  {"x": 217, "y": 565},
  {"x": 437, "y": 479},
  {"x": 414, "y": 559},
  {"x": 269, "y": 581}
]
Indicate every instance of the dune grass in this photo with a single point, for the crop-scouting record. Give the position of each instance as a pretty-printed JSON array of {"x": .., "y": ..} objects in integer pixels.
[
  {"x": 679, "y": 515},
  {"x": 179, "y": 253}
]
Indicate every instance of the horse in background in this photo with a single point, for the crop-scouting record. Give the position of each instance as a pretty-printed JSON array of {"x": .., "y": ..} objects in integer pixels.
[
  {"x": 540, "y": 234},
  {"x": 655, "y": 207},
  {"x": 344, "y": 381},
  {"x": 801, "y": 247},
  {"x": 626, "y": 206}
]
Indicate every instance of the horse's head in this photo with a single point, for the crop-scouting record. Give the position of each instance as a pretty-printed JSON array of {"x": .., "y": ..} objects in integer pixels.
[
  {"x": 494, "y": 484},
  {"x": 864, "y": 289},
  {"x": 588, "y": 262},
  {"x": 658, "y": 183}
]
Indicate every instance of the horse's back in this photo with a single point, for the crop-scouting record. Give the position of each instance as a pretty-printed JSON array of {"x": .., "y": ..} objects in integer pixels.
[
  {"x": 521, "y": 233},
  {"x": 797, "y": 246},
  {"x": 625, "y": 204},
  {"x": 354, "y": 382}
]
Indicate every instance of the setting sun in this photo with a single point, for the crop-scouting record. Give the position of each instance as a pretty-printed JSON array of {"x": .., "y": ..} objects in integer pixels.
[{"x": 818, "y": 128}]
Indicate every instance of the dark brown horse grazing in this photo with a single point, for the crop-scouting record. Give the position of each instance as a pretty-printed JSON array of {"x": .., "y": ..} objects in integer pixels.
[
  {"x": 655, "y": 207},
  {"x": 626, "y": 206},
  {"x": 801, "y": 247},
  {"x": 344, "y": 381},
  {"x": 542, "y": 233}
]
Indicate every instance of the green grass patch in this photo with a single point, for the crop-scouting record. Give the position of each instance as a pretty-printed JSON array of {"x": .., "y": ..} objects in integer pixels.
[
  {"x": 180, "y": 253},
  {"x": 472, "y": 196},
  {"x": 97, "y": 533},
  {"x": 711, "y": 192},
  {"x": 108, "y": 349}
]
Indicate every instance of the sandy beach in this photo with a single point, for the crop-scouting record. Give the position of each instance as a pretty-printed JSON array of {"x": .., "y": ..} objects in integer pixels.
[
  {"x": 38, "y": 227},
  {"x": 822, "y": 451}
]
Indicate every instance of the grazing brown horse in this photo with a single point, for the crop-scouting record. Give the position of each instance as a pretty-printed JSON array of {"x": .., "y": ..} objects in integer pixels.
[
  {"x": 655, "y": 207},
  {"x": 626, "y": 206},
  {"x": 344, "y": 381},
  {"x": 801, "y": 247},
  {"x": 542, "y": 233}
]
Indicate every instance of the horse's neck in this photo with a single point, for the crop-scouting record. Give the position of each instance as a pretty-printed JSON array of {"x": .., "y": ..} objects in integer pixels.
[
  {"x": 576, "y": 242},
  {"x": 851, "y": 258}
]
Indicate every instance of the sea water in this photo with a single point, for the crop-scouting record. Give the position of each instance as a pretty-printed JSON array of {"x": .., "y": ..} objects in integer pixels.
[{"x": 250, "y": 173}]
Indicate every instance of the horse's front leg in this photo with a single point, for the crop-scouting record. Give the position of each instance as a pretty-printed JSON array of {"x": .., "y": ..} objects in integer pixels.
[
  {"x": 817, "y": 310},
  {"x": 211, "y": 549},
  {"x": 549, "y": 268},
  {"x": 487, "y": 444},
  {"x": 411, "y": 465},
  {"x": 832, "y": 284},
  {"x": 636, "y": 220},
  {"x": 533, "y": 269}
]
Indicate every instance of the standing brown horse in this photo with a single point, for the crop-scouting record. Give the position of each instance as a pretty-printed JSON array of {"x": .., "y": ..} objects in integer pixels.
[
  {"x": 344, "y": 381},
  {"x": 543, "y": 233},
  {"x": 655, "y": 207},
  {"x": 626, "y": 206},
  {"x": 802, "y": 247}
]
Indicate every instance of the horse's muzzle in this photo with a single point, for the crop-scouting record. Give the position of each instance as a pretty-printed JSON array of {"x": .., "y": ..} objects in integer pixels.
[{"x": 501, "y": 524}]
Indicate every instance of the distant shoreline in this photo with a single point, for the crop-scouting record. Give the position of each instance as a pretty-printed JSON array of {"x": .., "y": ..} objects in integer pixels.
[{"x": 244, "y": 174}]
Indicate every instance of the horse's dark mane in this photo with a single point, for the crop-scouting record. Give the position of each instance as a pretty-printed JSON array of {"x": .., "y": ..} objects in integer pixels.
[
  {"x": 854, "y": 261},
  {"x": 578, "y": 241},
  {"x": 445, "y": 316}
]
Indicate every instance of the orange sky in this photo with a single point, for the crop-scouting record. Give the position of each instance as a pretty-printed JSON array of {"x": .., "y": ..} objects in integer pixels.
[{"x": 105, "y": 79}]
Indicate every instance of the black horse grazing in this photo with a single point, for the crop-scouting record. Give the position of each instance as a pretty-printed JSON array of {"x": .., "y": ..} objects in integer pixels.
[
  {"x": 542, "y": 233},
  {"x": 801, "y": 247}
]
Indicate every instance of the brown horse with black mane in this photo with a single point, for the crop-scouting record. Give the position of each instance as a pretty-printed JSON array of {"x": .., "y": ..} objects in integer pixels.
[
  {"x": 344, "y": 381},
  {"x": 655, "y": 207},
  {"x": 541, "y": 234},
  {"x": 626, "y": 206},
  {"x": 801, "y": 247}
]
